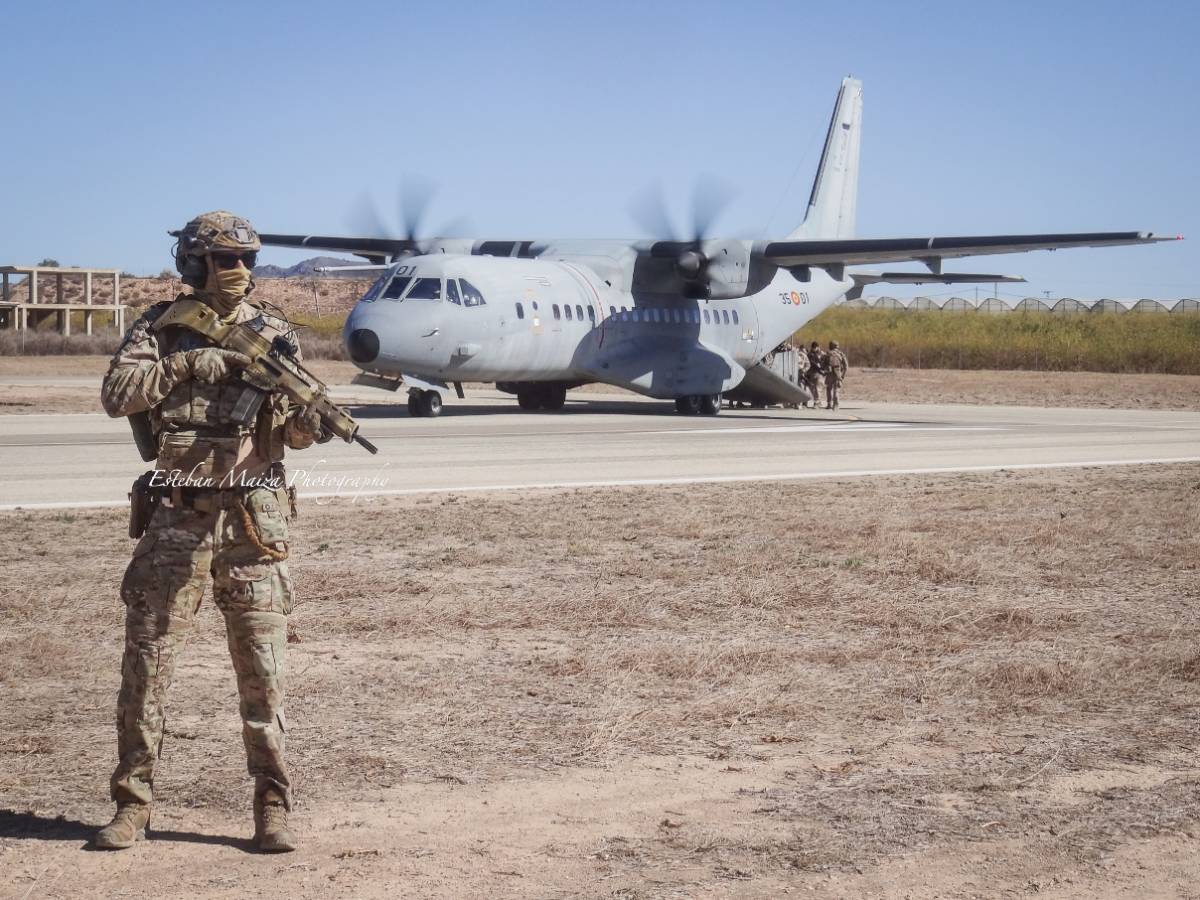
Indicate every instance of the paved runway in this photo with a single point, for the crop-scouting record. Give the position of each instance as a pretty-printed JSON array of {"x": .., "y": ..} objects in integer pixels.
[{"x": 487, "y": 443}]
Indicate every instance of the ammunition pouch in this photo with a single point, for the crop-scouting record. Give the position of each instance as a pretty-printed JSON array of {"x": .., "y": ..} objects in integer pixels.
[
  {"x": 143, "y": 499},
  {"x": 200, "y": 455}
]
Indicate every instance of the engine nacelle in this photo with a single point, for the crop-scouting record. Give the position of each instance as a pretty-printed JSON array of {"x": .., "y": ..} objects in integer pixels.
[{"x": 728, "y": 269}]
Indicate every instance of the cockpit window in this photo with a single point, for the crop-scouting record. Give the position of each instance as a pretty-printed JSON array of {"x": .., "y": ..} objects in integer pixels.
[
  {"x": 426, "y": 289},
  {"x": 452, "y": 291},
  {"x": 374, "y": 290},
  {"x": 471, "y": 295},
  {"x": 396, "y": 288}
]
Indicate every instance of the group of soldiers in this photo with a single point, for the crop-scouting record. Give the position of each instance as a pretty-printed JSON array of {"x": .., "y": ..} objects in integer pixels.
[{"x": 815, "y": 366}]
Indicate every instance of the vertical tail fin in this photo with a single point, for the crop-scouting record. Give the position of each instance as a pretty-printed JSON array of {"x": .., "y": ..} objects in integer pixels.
[{"x": 834, "y": 197}]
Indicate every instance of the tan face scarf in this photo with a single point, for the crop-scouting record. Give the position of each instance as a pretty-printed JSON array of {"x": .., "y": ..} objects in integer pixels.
[{"x": 225, "y": 288}]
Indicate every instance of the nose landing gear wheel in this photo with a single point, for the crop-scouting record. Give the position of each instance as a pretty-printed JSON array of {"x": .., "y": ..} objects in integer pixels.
[
  {"x": 424, "y": 404},
  {"x": 687, "y": 406},
  {"x": 710, "y": 404},
  {"x": 431, "y": 404}
]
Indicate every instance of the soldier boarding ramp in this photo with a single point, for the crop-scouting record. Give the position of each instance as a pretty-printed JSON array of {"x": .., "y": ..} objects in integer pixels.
[{"x": 772, "y": 382}]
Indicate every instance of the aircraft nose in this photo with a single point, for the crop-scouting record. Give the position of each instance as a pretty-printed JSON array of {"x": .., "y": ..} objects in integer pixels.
[{"x": 363, "y": 345}]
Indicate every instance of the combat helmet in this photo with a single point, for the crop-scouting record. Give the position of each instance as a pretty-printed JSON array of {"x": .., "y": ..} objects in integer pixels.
[
  {"x": 213, "y": 232},
  {"x": 833, "y": 345}
]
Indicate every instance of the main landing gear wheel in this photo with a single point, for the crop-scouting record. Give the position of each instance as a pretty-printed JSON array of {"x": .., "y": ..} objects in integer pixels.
[
  {"x": 542, "y": 396},
  {"x": 687, "y": 406},
  {"x": 710, "y": 404},
  {"x": 553, "y": 398},
  {"x": 424, "y": 404}
]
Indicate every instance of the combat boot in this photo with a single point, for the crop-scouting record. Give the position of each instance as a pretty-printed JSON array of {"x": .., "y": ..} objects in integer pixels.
[
  {"x": 127, "y": 827},
  {"x": 271, "y": 834}
]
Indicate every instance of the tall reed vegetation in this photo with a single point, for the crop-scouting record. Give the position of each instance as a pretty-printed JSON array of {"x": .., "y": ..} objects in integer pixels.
[{"x": 1085, "y": 342}]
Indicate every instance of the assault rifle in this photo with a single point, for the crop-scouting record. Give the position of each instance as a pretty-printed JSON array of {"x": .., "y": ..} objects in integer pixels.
[{"x": 273, "y": 366}]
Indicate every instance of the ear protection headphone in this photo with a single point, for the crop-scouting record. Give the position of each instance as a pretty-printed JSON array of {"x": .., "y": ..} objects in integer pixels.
[{"x": 192, "y": 269}]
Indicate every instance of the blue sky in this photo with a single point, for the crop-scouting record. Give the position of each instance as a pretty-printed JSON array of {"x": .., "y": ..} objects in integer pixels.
[{"x": 545, "y": 119}]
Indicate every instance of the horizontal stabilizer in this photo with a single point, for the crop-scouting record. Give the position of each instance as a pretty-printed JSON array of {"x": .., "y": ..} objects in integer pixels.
[{"x": 928, "y": 278}]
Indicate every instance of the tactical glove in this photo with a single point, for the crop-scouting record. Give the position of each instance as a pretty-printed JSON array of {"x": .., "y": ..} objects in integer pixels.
[
  {"x": 308, "y": 422},
  {"x": 212, "y": 364}
]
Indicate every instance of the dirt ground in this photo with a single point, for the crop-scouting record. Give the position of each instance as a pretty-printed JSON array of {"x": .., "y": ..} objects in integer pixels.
[
  {"x": 1015, "y": 388},
  {"x": 1075, "y": 389},
  {"x": 958, "y": 686}
]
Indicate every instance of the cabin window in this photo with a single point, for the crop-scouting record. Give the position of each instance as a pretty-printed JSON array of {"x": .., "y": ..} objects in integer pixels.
[
  {"x": 452, "y": 291},
  {"x": 624, "y": 315},
  {"x": 612, "y": 312},
  {"x": 557, "y": 311},
  {"x": 520, "y": 311},
  {"x": 579, "y": 312},
  {"x": 375, "y": 289},
  {"x": 396, "y": 288},
  {"x": 735, "y": 321},
  {"x": 637, "y": 314},
  {"x": 725, "y": 316},
  {"x": 592, "y": 314},
  {"x": 695, "y": 317},
  {"x": 471, "y": 295},
  {"x": 567, "y": 310},
  {"x": 425, "y": 289},
  {"x": 707, "y": 319}
]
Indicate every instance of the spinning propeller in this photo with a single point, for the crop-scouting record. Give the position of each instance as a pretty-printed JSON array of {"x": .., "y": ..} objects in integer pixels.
[
  {"x": 412, "y": 202},
  {"x": 710, "y": 197}
]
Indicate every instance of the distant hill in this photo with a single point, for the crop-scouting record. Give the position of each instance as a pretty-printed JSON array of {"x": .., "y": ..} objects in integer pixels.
[{"x": 306, "y": 267}]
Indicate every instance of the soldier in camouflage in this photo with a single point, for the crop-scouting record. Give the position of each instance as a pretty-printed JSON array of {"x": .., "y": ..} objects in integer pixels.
[
  {"x": 816, "y": 369},
  {"x": 802, "y": 366},
  {"x": 221, "y": 507},
  {"x": 836, "y": 367}
]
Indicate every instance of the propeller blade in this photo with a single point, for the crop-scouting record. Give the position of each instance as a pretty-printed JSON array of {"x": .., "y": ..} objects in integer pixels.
[
  {"x": 710, "y": 198},
  {"x": 459, "y": 226},
  {"x": 649, "y": 211},
  {"x": 415, "y": 196},
  {"x": 363, "y": 218}
]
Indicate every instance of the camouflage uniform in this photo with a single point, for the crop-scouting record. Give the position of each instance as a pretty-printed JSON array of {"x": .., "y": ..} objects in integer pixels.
[
  {"x": 816, "y": 369},
  {"x": 837, "y": 365},
  {"x": 802, "y": 366},
  {"x": 229, "y": 518},
  {"x": 195, "y": 531}
]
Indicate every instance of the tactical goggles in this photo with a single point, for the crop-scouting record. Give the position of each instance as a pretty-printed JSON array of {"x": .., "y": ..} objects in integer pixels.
[{"x": 230, "y": 260}]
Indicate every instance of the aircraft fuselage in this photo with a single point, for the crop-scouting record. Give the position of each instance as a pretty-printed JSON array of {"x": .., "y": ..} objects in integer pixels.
[{"x": 446, "y": 317}]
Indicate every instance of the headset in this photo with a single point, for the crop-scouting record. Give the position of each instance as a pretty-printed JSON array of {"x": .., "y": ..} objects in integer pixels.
[{"x": 193, "y": 270}]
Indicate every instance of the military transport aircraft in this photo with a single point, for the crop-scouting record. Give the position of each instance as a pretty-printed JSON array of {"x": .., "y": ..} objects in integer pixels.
[{"x": 676, "y": 319}]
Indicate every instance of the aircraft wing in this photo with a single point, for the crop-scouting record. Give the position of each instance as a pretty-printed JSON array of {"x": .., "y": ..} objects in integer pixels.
[
  {"x": 931, "y": 250},
  {"x": 375, "y": 249}
]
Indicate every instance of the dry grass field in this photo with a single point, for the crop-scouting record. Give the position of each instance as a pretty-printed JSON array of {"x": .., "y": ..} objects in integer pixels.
[{"x": 962, "y": 686}]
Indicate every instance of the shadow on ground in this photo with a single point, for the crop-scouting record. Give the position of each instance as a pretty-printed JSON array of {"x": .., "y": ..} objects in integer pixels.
[{"x": 28, "y": 826}]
